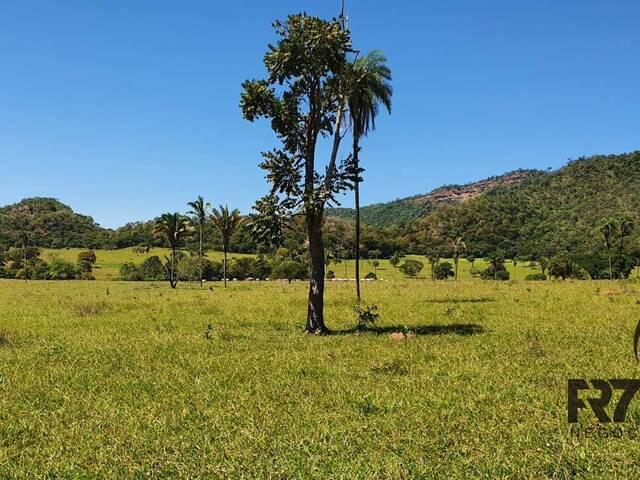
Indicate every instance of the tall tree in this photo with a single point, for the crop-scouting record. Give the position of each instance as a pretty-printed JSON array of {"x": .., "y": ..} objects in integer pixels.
[
  {"x": 174, "y": 229},
  {"x": 303, "y": 96},
  {"x": 459, "y": 247},
  {"x": 625, "y": 228},
  {"x": 199, "y": 213},
  {"x": 227, "y": 223},
  {"x": 368, "y": 86},
  {"x": 608, "y": 228}
]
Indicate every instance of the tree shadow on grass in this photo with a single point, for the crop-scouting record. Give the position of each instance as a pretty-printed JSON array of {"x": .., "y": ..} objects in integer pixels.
[{"x": 464, "y": 329}]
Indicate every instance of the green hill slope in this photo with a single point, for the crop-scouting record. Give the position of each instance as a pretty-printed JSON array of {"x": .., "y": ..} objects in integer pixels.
[{"x": 48, "y": 223}]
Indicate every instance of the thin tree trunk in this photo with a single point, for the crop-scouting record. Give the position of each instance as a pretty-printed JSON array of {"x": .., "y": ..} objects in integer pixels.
[
  {"x": 610, "y": 268},
  {"x": 455, "y": 260},
  {"x": 315, "y": 310},
  {"x": 26, "y": 268},
  {"x": 172, "y": 281},
  {"x": 201, "y": 255},
  {"x": 224, "y": 267},
  {"x": 356, "y": 150}
]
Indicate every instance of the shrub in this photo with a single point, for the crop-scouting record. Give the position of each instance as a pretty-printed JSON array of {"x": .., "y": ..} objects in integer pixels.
[
  {"x": 370, "y": 276},
  {"x": 443, "y": 271},
  {"x": 62, "y": 270},
  {"x": 331, "y": 274},
  {"x": 496, "y": 269},
  {"x": 536, "y": 277},
  {"x": 130, "y": 272},
  {"x": 84, "y": 266},
  {"x": 290, "y": 270},
  {"x": 88, "y": 256},
  {"x": 367, "y": 316},
  {"x": 152, "y": 269},
  {"x": 411, "y": 267}
]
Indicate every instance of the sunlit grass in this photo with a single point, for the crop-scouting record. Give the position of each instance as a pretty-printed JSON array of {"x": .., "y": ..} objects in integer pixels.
[{"x": 118, "y": 379}]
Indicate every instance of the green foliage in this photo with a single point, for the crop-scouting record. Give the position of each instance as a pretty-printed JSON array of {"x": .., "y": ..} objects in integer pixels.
[
  {"x": 496, "y": 269},
  {"x": 371, "y": 276},
  {"x": 367, "y": 315},
  {"x": 562, "y": 266},
  {"x": 536, "y": 277},
  {"x": 62, "y": 270},
  {"x": 411, "y": 268},
  {"x": 290, "y": 270},
  {"x": 89, "y": 256},
  {"x": 443, "y": 271},
  {"x": 153, "y": 269},
  {"x": 130, "y": 272}
]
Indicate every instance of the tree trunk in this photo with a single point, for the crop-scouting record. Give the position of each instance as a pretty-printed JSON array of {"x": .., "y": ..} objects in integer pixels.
[
  {"x": 224, "y": 267},
  {"x": 455, "y": 260},
  {"x": 172, "y": 280},
  {"x": 610, "y": 268},
  {"x": 356, "y": 163},
  {"x": 26, "y": 268},
  {"x": 315, "y": 311},
  {"x": 201, "y": 255}
]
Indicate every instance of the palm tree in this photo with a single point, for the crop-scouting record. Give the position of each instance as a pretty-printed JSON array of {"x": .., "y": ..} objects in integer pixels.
[
  {"x": 227, "y": 223},
  {"x": 368, "y": 87},
  {"x": 625, "y": 228},
  {"x": 459, "y": 247},
  {"x": 199, "y": 212},
  {"x": 608, "y": 228},
  {"x": 174, "y": 228}
]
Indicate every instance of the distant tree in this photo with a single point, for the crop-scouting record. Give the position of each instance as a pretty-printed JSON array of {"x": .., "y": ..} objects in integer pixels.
[
  {"x": 434, "y": 255},
  {"x": 368, "y": 86},
  {"x": 88, "y": 256},
  {"x": 227, "y": 223},
  {"x": 625, "y": 228},
  {"x": 496, "y": 269},
  {"x": 459, "y": 247},
  {"x": 199, "y": 213},
  {"x": 394, "y": 261},
  {"x": 562, "y": 266},
  {"x": 411, "y": 268},
  {"x": 608, "y": 228},
  {"x": 471, "y": 259},
  {"x": 174, "y": 229},
  {"x": 290, "y": 270},
  {"x": 443, "y": 271}
]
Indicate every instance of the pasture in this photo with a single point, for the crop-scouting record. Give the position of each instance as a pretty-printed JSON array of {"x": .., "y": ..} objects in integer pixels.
[
  {"x": 132, "y": 380},
  {"x": 109, "y": 263}
]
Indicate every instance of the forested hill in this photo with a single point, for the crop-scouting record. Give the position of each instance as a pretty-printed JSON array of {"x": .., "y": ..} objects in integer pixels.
[
  {"x": 401, "y": 211},
  {"x": 47, "y": 223},
  {"x": 555, "y": 211}
]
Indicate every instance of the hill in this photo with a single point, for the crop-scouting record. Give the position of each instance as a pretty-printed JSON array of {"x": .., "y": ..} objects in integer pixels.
[
  {"x": 546, "y": 213},
  {"x": 48, "y": 223},
  {"x": 401, "y": 211}
]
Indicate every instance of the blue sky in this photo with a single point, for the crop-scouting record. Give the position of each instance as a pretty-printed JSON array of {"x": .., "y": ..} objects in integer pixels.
[{"x": 125, "y": 109}]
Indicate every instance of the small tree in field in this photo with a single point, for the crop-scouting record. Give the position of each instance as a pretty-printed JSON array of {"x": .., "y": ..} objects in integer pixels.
[
  {"x": 199, "y": 213},
  {"x": 395, "y": 261},
  {"x": 174, "y": 229},
  {"x": 227, "y": 223},
  {"x": 411, "y": 268},
  {"x": 459, "y": 247}
]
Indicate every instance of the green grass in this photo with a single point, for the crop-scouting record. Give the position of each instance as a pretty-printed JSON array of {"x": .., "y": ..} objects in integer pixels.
[
  {"x": 109, "y": 263},
  {"x": 116, "y": 379}
]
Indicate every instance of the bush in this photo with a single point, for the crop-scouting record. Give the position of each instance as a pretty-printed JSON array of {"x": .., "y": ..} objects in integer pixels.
[
  {"x": 84, "y": 266},
  {"x": 536, "y": 277},
  {"x": 443, "y": 271},
  {"x": 330, "y": 275},
  {"x": 370, "y": 276},
  {"x": 411, "y": 267},
  {"x": 62, "y": 270},
  {"x": 290, "y": 270},
  {"x": 562, "y": 266},
  {"x": 152, "y": 269},
  {"x": 88, "y": 256},
  {"x": 130, "y": 272},
  {"x": 496, "y": 269}
]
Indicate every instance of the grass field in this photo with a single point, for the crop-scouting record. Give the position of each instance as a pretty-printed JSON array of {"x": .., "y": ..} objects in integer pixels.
[
  {"x": 109, "y": 263},
  {"x": 116, "y": 379}
]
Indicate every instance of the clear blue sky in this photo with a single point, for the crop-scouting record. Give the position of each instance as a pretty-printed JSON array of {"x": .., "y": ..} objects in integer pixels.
[{"x": 126, "y": 108}]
